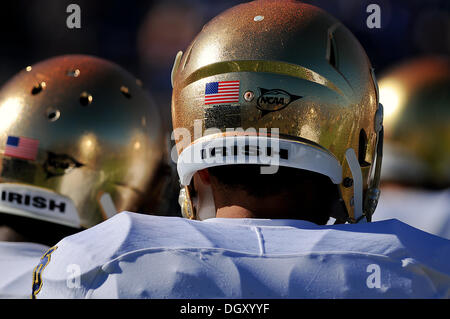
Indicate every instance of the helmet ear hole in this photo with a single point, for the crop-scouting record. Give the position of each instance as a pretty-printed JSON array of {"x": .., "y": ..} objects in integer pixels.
[{"x": 362, "y": 148}]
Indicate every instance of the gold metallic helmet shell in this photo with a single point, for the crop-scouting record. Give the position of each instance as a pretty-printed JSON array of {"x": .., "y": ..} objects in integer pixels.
[
  {"x": 80, "y": 140},
  {"x": 416, "y": 96},
  {"x": 293, "y": 68}
]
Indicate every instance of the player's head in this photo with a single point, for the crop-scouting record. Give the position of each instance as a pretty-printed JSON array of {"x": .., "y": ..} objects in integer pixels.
[
  {"x": 416, "y": 96},
  {"x": 284, "y": 84},
  {"x": 80, "y": 140}
]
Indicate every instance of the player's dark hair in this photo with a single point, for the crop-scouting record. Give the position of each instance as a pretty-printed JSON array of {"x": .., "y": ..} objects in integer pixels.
[{"x": 314, "y": 194}]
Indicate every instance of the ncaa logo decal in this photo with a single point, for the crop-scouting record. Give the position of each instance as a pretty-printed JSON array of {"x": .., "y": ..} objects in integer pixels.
[
  {"x": 274, "y": 100},
  {"x": 59, "y": 164}
]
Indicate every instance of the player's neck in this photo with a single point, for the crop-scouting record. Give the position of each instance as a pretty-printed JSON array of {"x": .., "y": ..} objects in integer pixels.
[
  {"x": 235, "y": 212},
  {"x": 9, "y": 234},
  {"x": 243, "y": 206}
]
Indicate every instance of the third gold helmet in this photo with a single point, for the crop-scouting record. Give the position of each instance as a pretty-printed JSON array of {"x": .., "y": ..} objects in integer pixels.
[{"x": 416, "y": 96}]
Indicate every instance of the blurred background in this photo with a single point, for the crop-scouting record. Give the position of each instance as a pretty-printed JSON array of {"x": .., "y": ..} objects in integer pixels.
[{"x": 144, "y": 36}]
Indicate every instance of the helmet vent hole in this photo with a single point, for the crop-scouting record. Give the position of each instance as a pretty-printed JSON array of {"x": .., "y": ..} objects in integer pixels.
[
  {"x": 258, "y": 18},
  {"x": 73, "y": 73},
  {"x": 53, "y": 114},
  {"x": 125, "y": 91},
  {"x": 362, "y": 148},
  {"x": 38, "y": 88},
  {"x": 85, "y": 99}
]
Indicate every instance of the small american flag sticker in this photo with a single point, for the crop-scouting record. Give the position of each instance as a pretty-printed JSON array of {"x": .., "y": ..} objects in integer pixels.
[
  {"x": 222, "y": 92},
  {"x": 21, "y": 147}
]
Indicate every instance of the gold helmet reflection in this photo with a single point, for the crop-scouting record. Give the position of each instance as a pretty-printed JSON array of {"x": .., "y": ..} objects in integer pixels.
[
  {"x": 287, "y": 66},
  {"x": 416, "y": 96},
  {"x": 80, "y": 140}
]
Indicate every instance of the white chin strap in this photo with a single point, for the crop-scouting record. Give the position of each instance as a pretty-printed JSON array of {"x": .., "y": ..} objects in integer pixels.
[
  {"x": 268, "y": 151},
  {"x": 357, "y": 184}
]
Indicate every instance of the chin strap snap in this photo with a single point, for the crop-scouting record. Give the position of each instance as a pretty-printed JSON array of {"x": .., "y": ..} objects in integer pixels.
[{"x": 185, "y": 202}]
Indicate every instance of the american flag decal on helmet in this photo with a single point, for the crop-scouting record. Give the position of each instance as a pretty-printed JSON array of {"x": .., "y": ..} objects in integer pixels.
[
  {"x": 222, "y": 92},
  {"x": 21, "y": 147}
]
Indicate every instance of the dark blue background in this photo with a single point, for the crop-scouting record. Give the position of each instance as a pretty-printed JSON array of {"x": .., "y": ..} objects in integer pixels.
[{"x": 33, "y": 30}]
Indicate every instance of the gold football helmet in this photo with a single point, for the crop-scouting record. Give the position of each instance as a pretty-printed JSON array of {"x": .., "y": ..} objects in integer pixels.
[
  {"x": 416, "y": 95},
  {"x": 80, "y": 140},
  {"x": 290, "y": 79}
]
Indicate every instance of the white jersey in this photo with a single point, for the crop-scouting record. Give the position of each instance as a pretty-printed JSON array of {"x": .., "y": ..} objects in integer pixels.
[
  {"x": 140, "y": 256},
  {"x": 17, "y": 261},
  {"x": 426, "y": 210}
]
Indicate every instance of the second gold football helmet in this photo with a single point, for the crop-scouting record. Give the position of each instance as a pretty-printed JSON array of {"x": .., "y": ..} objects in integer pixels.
[{"x": 80, "y": 140}]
